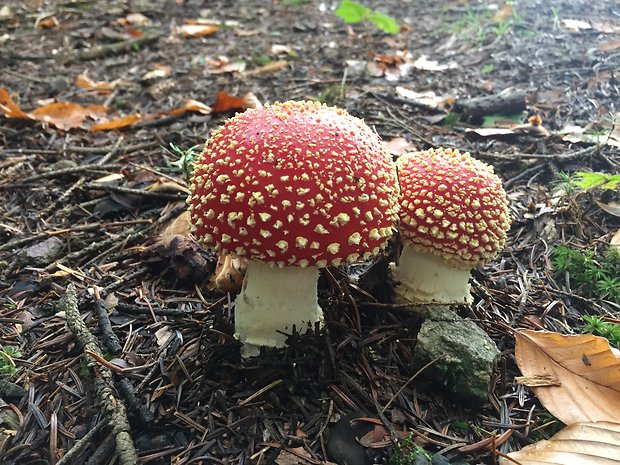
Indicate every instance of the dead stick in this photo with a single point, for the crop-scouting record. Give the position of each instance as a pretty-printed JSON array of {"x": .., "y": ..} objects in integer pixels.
[
  {"x": 112, "y": 49},
  {"x": 103, "y": 381}
]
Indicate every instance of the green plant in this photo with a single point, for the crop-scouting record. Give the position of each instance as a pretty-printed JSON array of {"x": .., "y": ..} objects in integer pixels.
[
  {"x": 593, "y": 274},
  {"x": 486, "y": 69},
  {"x": 184, "y": 162},
  {"x": 353, "y": 12},
  {"x": 599, "y": 327},
  {"x": 332, "y": 95},
  {"x": 407, "y": 452},
  {"x": 8, "y": 354}
]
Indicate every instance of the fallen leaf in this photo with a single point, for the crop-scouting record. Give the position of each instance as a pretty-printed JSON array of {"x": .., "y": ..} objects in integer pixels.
[
  {"x": 194, "y": 106},
  {"x": 593, "y": 443},
  {"x": 158, "y": 71},
  {"x": 504, "y": 13},
  {"x": 222, "y": 64},
  {"x": 134, "y": 19},
  {"x": 117, "y": 123},
  {"x": 225, "y": 102},
  {"x": 65, "y": 115},
  {"x": 609, "y": 45},
  {"x": 611, "y": 208},
  {"x": 9, "y": 108},
  {"x": 427, "y": 98},
  {"x": 197, "y": 30},
  {"x": 425, "y": 64},
  {"x": 48, "y": 23},
  {"x": 251, "y": 101},
  {"x": 615, "y": 239},
  {"x": 100, "y": 87},
  {"x": 399, "y": 146},
  {"x": 575, "y": 25},
  {"x": 588, "y": 391}
]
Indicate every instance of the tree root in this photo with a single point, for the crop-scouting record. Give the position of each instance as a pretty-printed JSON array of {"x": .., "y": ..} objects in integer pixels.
[{"x": 104, "y": 391}]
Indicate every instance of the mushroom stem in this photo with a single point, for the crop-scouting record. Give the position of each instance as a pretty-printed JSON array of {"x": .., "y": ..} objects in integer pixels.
[
  {"x": 271, "y": 302},
  {"x": 422, "y": 277}
]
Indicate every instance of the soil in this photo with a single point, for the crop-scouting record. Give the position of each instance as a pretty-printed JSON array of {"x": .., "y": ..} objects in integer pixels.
[{"x": 87, "y": 208}]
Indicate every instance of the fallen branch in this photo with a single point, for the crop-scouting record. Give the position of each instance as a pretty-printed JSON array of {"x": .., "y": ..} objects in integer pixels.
[
  {"x": 104, "y": 390},
  {"x": 115, "y": 48}
]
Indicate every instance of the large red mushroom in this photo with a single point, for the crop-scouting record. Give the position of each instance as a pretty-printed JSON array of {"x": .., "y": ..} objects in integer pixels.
[
  {"x": 292, "y": 187},
  {"x": 453, "y": 218}
]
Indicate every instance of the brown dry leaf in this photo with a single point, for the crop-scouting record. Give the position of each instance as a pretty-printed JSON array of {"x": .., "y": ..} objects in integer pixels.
[
  {"x": 133, "y": 19},
  {"x": 123, "y": 122},
  {"x": 251, "y": 101},
  {"x": 503, "y": 14},
  {"x": 615, "y": 240},
  {"x": 272, "y": 67},
  {"x": 100, "y": 87},
  {"x": 65, "y": 115},
  {"x": 595, "y": 443},
  {"x": 158, "y": 71},
  {"x": 177, "y": 227},
  {"x": 609, "y": 45},
  {"x": 225, "y": 102},
  {"x": 9, "y": 108},
  {"x": 48, "y": 23},
  {"x": 399, "y": 146},
  {"x": 584, "y": 365},
  {"x": 613, "y": 208},
  {"x": 296, "y": 456},
  {"x": 194, "y": 106},
  {"x": 222, "y": 64},
  {"x": 197, "y": 30}
]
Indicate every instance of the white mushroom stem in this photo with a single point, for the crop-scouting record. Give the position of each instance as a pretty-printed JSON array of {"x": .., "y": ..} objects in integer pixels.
[
  {"x": 271, "y": 302},
  {"x": 425, "y": 278}
]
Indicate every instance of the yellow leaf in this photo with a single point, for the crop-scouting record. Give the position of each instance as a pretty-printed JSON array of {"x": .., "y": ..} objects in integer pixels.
[
  {"x": 596, "y": 443},
  {"x": 586, "y": 369}
]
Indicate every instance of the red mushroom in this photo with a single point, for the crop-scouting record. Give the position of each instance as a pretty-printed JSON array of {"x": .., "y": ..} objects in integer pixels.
[
  {"x": 453, "y": 217},
  {"x": 292, "y": 187}
]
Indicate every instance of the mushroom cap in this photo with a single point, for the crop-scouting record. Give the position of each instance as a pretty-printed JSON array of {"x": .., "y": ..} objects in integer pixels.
[
  {"x": 452, "y": 206},
  {"x": 294, "y": 183}
]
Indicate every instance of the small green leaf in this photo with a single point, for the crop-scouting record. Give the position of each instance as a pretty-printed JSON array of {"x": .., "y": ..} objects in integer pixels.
[
  {"x": 384, "y": 22},
  {"x": 352, "y": 12},
  {"x": 486, "y": 69},
  {"x": 587, "y": 181}
]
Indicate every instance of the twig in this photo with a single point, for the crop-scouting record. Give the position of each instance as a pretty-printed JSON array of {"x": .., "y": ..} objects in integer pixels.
[
  {"x": 110, "y": 340},
  {"x": 116, "y": 48},
  {"x": 103, "y": 382},
  {"x": 81, "y": 445}
]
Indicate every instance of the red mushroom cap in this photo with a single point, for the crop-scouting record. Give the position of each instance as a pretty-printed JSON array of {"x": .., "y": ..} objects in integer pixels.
[
  {"x": 294, "y": 183},
  {"x": 452, "y": 206}
]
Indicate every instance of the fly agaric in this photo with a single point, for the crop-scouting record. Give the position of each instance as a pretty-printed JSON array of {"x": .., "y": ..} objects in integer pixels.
[
  {"x": 292, "y": 187},
  {"x": 453, "y": 218}
]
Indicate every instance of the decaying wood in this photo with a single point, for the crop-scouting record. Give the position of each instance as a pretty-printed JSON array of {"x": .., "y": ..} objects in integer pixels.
[
  {"x": 507, "y": 102},
  {"x": 103, "y": 383}
]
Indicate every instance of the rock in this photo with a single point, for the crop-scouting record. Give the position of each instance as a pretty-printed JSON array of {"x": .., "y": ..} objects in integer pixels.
[
  {"x": 42, "y": 253},
  {"x": 464, "y": 353}
]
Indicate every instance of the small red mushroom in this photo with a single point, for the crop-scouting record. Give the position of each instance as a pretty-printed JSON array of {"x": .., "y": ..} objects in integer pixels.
[
  {"x": 292, "y": 187},
  {"x": 453, "y": 218}
]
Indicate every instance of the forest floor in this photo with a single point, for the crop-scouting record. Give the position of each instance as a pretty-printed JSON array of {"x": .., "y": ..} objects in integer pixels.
[{"x": 84, "y": 205}]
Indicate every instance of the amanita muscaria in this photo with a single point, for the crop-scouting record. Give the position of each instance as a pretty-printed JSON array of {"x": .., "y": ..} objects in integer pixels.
[
  {"x": 453, "y": 218},
  {"x": 292, "y": 187}
]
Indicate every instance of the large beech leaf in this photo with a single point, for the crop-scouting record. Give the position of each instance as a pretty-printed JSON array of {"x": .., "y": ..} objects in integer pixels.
[
  {"x": 576, "y": 378},
  {"x": 596, "y": 443}
]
